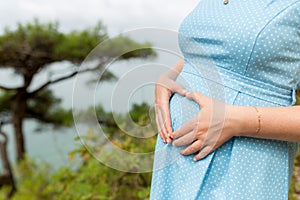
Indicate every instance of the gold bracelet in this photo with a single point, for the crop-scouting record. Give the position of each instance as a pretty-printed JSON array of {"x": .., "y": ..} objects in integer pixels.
[{"x": 258, "y": 119}]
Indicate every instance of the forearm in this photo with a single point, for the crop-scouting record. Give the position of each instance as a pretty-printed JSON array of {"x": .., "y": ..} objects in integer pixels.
[{"x": 279, "y": 123}]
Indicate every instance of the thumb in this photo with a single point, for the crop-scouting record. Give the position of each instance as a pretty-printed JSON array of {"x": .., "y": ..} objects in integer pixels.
[{"x": 200, "y": 98}]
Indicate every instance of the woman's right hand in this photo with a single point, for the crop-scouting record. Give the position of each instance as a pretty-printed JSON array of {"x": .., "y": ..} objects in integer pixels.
[{"x": 165, "y": 86}]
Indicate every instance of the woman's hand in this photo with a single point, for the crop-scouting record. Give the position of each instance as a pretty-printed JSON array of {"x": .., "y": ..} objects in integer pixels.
[
  {"x": 164, "y": 88},
  {"x": 215, "y": 124}
]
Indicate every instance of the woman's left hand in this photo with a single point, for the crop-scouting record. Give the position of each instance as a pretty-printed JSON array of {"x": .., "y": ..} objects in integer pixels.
[{"x": 214, "y": 125}]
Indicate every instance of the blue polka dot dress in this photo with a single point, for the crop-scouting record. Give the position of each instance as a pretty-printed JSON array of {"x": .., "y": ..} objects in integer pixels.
[{"x": 243, "y": 53}]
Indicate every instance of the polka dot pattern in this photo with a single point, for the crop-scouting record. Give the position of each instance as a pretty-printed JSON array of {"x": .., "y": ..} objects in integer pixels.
[{"x": 243, "y": 53}]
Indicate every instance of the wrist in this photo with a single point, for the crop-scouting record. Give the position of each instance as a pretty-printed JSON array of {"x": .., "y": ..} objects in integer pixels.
[
  {"x": 233, "y": 120},
  {"x": 243, "y": 120}
]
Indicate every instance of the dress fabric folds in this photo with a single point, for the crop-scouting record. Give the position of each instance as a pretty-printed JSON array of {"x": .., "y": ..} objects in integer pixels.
[{"x": 243, "y": 53}]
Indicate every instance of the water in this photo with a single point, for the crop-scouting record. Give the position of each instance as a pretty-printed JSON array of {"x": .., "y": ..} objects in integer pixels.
[{"x": 50, "y": 145}]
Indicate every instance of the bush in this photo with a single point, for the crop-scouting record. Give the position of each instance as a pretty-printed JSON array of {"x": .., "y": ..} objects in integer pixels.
[{"x": 87, "y": 178}]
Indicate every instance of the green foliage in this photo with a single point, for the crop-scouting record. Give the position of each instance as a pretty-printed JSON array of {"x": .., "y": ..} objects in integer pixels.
[
  {"x": 126, "y": 48},
  {"x": 114, "y": 126},
  {"x": 92, "y": 181},
  {"x": 45, "y": 107},
  {"x": 140, "y": 113},
  {"x": 76, "y": 45},
  {"x": 87, "y": 178},
  {"x": 5, "y": 101},
  {"x": 105, "y": 76},
  {"x": 294, "y": 193},
  {"x": 38, "y": 40},
  {"x": 34, "y": 45}
]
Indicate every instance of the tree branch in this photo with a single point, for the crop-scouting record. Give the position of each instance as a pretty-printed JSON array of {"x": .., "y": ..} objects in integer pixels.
[
  {"x": 7, "y": 88},
  {"x": 4, "y": 122},
  {"x": 50, "y": 82}
]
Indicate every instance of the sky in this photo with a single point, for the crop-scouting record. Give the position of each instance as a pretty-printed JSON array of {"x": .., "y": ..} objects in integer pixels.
[{"x": 117, "y": 15}]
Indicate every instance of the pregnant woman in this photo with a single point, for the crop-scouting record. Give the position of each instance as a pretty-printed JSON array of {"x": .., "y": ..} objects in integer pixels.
[{"x": 228, "y": 128}]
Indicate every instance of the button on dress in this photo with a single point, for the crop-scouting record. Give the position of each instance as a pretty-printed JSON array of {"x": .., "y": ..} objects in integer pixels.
[{"x": 243, "y": 53}]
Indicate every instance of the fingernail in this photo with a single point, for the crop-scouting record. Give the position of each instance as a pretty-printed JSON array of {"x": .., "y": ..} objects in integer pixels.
[
  {"x": 195, "y": 159},
  {"x": 168, "y": 141}
]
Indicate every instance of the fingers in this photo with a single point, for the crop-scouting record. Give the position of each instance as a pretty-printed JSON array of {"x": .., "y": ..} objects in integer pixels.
[
  {"x": 203, "y": 153},
  {"x": 185, "y": 140},
  {"x": 160, "y": 123},
  {"x": 167, "y": 120},
  {"x": 193, "y": 148},
  {"x": 163, "y": 91},
  {"x": 159, "y": 129},
  {"x": 170, "y": 85},
  {"x": 184, "y": 129},
  {"x": 178, "y": 88},
  {"x": 163, "y": 122}
]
